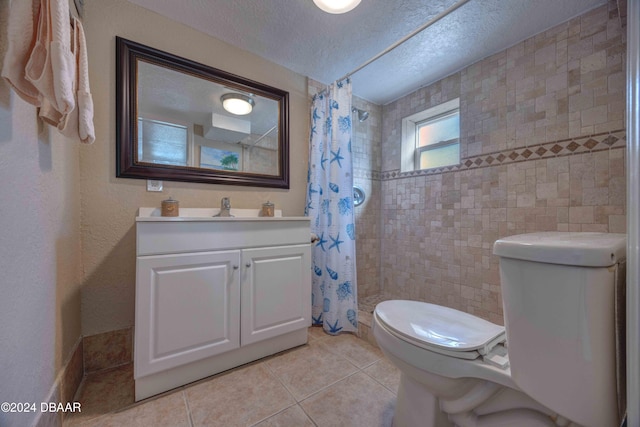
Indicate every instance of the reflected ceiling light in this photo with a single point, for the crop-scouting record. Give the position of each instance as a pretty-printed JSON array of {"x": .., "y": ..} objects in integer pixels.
[
  {"x": 237, "y": 104},
  {"x": 337, "y": 6}
]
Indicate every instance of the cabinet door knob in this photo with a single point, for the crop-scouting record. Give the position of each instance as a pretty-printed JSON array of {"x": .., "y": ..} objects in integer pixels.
[
  {"x": 248, "y": 264},
  {"x": 235, "y": 267}
]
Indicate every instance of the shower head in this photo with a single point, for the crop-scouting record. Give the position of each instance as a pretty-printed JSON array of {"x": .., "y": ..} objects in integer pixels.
[{"x": 362, "y": 114}]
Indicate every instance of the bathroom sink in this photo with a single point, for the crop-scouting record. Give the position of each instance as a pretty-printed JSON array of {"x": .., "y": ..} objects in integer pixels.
[{"x": 205, "y": 214}]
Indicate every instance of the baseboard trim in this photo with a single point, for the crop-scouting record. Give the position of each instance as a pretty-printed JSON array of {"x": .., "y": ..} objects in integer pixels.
[{"x": 64, "y": 387}]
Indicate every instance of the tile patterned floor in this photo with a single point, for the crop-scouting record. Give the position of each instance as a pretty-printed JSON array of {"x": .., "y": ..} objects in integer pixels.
[{"x": 331, "y": 381}]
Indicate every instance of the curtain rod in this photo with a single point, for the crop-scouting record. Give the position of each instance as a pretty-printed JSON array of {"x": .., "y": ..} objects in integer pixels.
[{"x": 407, "y": 37}]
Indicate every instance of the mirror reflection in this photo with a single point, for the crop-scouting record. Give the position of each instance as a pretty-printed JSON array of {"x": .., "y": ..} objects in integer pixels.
[
  {"x": 182, "y": 121},
  {"x": 185, "y": 121}
]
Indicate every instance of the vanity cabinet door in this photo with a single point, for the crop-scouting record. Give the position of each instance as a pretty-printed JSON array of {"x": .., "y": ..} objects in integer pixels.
[
  {"x": 276, "y": 291},
  {"x": 187, "y": 308}
]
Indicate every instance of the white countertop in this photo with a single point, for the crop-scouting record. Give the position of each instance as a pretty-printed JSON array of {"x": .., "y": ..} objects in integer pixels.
[{"x": 207, "y": 214}]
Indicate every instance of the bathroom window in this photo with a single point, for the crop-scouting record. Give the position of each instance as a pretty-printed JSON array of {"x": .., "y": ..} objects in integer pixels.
[
  {"x": 431, "y": 138},
  {"x": 161, "y": 142}
]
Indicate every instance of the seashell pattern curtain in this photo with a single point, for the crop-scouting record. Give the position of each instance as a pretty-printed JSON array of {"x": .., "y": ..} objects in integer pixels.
[{"x": 330, "y": 206}]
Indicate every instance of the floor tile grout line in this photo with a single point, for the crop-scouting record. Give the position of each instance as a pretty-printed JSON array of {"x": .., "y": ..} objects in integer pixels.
[
  {"x": 277, "y": 377},
  {"x": 349, "y": 360},
  {"x": 186, "y": 403},
  {"x": 261, "y": 364},
  {"x": 329, "y": 385},
  {"x": 273, "y": 415},
  {"x": 354, "y": 361},
  {"x": 86, "y": 379},
  {"x": 395, "y": 393},
  {"x": 372, "y": 363},
  {"x": 272, "y": 372},
  {"x": 323, "y": 388},
  {"x": 308, "y": 416},
  {"x": 72, "y": 421},
  {"x": 336, "y": 382},
  {"x": 135, "y": 404},
  {"x": 322, "y": 342}
]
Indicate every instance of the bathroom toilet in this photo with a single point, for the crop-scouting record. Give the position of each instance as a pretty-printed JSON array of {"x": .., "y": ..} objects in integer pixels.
[{"x": 552, "y": 364}]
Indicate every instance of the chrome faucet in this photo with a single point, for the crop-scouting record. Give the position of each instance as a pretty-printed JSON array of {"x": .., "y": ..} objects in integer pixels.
[{"x": 225, "y": 207}]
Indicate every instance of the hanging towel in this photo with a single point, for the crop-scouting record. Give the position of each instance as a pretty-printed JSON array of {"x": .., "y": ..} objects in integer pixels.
[
  {"x": 39, "y": 71},
  {"x": 51, "y": 66},
  {"x": 79, "y": 122},
  {"x": 23, "y": 20},
  {"x": 85, "y": 100},
  {"x": 67, "y": 124}
]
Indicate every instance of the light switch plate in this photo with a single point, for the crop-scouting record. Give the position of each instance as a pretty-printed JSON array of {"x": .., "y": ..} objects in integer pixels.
[{"x": 154, "y": 185}]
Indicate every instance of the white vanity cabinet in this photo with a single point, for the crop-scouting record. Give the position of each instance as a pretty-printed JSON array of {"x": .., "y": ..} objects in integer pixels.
[{"x": 215, "y": 293}]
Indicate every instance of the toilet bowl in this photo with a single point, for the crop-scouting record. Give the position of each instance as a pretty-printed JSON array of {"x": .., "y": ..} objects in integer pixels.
[
  {"x": 440, "y": 388},
  {"x": 558, "y": 368}
]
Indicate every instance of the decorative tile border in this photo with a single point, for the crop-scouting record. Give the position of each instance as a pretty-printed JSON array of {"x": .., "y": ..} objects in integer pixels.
[
  {"x": 367, "y": 174},
  {"x": 565, "y": 147}
]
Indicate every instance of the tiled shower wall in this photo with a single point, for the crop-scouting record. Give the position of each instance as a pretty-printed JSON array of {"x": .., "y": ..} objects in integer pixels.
[
  {"x": 542, "y": 138},
  {"x": 366, "y": 150},
  {"x": 542, "y": 146}
]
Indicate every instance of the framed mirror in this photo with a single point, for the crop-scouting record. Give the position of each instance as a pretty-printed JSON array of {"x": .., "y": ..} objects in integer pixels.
[{"x": 180, "y": 120}]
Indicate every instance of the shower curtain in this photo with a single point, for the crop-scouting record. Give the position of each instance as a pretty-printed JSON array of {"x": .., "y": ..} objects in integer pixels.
[{"x": 330, "y": 206}]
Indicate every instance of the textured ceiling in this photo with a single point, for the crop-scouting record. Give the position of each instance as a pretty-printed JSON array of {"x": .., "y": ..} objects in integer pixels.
[{"x": 299, "y": 36}]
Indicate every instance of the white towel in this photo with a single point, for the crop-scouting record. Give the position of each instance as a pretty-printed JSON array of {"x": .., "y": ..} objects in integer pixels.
[
  {"x": 23, "y": 19},
  {"x": 51, "y": 66},
  {"x": 85, "y": 100},
  {"x": 67, "y": 124},
  {"x": 79, "y": 122}
]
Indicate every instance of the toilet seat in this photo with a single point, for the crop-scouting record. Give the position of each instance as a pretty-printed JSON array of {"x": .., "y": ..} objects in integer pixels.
[{"x": 440, "y": 329}]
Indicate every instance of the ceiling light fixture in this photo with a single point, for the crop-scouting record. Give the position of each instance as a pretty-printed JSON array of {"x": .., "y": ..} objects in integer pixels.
[
  {"x": 337, "y": 6},
  {"x": 237, "y": 104}
]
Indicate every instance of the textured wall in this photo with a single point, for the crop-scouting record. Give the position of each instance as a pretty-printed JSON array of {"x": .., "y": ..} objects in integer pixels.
[
  {"x": 109, "y": 204},
  {"x": 542, "y": 138},
  {"x": 40, "y": 251}
]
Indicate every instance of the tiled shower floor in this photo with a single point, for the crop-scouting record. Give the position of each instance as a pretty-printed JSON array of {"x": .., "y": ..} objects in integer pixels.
[
  {"x": 331, "y": 381},
  {"x": 367, "y": 304}
]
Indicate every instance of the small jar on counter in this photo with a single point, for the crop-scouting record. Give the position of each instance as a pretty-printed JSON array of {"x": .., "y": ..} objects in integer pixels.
[
  {"x": 170, "y": 207},
  {"x": 268, "y": 209}
]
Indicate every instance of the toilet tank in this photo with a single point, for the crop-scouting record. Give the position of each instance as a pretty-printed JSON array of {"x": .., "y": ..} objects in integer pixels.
[{"x": 558, "y": 296}]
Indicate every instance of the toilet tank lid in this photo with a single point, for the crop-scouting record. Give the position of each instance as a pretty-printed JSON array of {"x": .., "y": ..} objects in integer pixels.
[{"x": 576, "y": 249}]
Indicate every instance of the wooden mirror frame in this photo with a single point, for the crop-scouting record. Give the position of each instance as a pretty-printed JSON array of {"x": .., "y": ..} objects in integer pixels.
[{"x": 127, "y": 55}]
